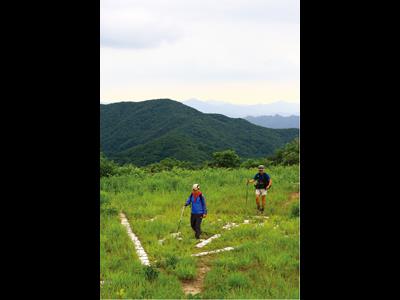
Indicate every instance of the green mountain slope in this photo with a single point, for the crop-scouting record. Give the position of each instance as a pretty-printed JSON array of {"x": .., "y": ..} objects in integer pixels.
[
  {"x": 275, "y": 121},
  {"x": 148, "y": 131}
]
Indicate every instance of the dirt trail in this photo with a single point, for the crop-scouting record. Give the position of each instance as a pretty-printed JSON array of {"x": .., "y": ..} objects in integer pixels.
[
  {"x": 292, "y": 198},
  {"x": 195, "y": 286}
]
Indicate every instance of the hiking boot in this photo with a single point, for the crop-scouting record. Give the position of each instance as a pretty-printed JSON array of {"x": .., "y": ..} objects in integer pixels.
[
  {"x": 258, "y": 207},
  {"x": 262, "y": 210}
]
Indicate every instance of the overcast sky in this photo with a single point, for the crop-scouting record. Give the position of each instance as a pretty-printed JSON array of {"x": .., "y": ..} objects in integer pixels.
[{"x": 238, "y": 51}]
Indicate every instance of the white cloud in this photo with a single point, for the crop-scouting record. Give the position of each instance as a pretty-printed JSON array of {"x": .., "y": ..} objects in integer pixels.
[{"x": 198, "y": 42}]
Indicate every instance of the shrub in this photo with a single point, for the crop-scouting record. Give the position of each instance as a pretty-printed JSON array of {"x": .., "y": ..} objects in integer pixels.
[
  {"x": 151, "y": 273},
  {"x": 109, "y": 209},
  {"x": 295, "y": 210},
  {"x": 288, "y": 155},
  {"x": 252, "y": 163},
  {"x": 226, "y": 159},
  {"x": 171, "y": 261},
  {"x": 128, "y": 170},
  {"x": 107, "y": 167}
]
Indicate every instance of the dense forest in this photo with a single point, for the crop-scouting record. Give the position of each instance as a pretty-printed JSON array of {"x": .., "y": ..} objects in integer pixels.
[{"x": 142, "y": 133}]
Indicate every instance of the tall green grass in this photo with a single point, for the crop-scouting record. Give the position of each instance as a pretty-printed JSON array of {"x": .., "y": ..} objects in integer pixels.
[{"x": 264, "y": 265}]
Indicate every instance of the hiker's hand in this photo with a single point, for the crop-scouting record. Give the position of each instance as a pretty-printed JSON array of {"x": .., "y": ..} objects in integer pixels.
[{"x": 204, "y": 216}]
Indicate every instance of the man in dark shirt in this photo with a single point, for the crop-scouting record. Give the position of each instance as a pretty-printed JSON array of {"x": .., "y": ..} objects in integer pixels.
[{"x": 262, "y": 183}]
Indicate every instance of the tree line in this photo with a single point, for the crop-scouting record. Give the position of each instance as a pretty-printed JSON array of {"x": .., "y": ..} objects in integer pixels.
[{"x": 287, "y": 155}]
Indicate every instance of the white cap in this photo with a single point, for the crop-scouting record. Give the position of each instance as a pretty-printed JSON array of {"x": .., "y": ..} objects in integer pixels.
[{"x": 196, "y": 186}]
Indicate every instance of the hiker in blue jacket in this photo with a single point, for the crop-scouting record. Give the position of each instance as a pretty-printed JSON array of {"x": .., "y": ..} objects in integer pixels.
[{"x": 199, "y": 209}]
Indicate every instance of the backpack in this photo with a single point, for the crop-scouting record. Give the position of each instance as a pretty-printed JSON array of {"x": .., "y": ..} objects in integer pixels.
[{"x": 200, "y": 197}]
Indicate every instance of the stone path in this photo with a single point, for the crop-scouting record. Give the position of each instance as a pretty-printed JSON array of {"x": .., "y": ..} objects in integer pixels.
[{"x": 144, "y": 259}]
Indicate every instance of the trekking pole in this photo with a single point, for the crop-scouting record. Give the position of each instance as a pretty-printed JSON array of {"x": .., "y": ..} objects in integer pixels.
[
  {"x": 247, "y": 191},
  {"x": 180, "y": 220}
]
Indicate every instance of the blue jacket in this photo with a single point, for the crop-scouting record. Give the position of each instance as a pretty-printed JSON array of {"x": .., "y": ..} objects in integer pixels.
[{"x": 198, "y": 206}]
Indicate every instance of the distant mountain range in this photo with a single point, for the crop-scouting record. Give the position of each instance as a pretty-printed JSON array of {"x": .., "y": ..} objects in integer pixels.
[
  {"x": 149, "y": 131},
  {"x": 240, "y": 111},
  {"x": 276, "y": 121}
]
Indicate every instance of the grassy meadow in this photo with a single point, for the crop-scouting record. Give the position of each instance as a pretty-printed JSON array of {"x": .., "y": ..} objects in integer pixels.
[{"x": 264, "y": 264}]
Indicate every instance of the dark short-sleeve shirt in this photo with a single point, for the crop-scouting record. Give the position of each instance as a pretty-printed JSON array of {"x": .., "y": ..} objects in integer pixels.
[{"x": 262, "y": 181}]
